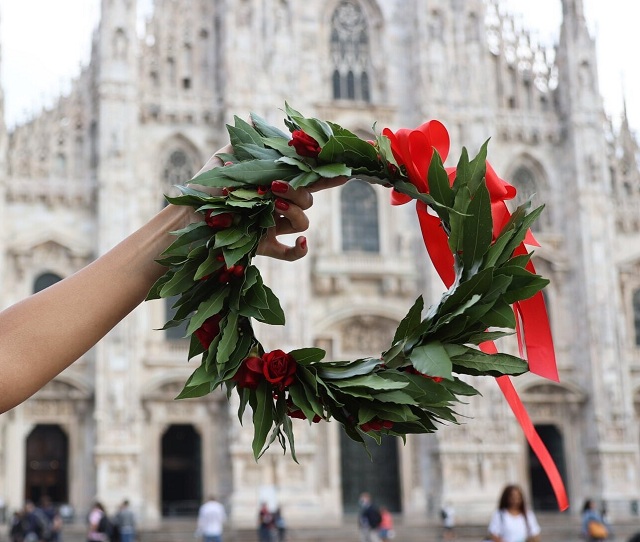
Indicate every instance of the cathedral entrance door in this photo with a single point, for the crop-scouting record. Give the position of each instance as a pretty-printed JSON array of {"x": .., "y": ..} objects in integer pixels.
[
  {"x": 379, "y": 477},
  {"x": 46, "y": 464},
  {"x": 181, "y": 471},
  {"x": 541, "y": 491}
]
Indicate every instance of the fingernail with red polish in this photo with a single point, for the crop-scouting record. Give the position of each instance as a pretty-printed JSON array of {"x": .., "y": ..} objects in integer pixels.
[
  {"x": 279, "y": 186},
  {"x": 281, "y": 204},
  {"x": 303, "y": 243}
]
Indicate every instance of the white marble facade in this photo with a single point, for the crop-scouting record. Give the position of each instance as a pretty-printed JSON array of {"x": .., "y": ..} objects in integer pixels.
[{"x": 149, "y": 110}]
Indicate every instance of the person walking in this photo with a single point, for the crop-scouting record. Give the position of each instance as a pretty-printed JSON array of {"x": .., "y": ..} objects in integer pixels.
[
  {"x": 368, "y": 519},
  {"x": 125, "y": 522},
  {"x": 211, "y": 518},
  {"x": 594, "y": 525},
  {"x": 512, "y": 522},
  {"x": 265, "y": 524}
]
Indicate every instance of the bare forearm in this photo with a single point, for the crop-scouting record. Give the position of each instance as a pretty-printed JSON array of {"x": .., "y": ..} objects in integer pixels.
[{"x": 45, "y": 333}]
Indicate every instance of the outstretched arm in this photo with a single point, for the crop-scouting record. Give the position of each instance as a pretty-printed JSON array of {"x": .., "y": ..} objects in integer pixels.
[{"x": 46, "y": 332}]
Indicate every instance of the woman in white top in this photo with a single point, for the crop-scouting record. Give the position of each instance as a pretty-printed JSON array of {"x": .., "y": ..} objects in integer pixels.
[{"x": 512, "y": 522}]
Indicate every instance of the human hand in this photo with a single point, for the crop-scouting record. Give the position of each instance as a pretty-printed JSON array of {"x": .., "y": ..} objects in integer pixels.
[{"x": 290, "y": 216}]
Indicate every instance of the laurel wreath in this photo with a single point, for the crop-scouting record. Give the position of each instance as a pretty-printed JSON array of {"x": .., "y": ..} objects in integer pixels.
[{"x": 412, "y": 386}]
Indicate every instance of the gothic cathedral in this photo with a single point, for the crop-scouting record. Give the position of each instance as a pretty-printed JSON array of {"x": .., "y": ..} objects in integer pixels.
[{"x": 150, "y": 108}]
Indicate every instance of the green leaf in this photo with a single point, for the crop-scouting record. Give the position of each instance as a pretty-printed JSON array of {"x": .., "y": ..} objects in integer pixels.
[
  {"x": 317, "y": 129},
  {"x": 288, "y": 430},
  {"x": 191, "y": 233},
  {"x": 193, "y": 392},
  {"x": 438, "y": 179},
  {"x": 350, "y": 150},
  {"x": 308, "y": 356},
  {"x": 432, "y": 359},
  {"x": 368, "y": 382},
  {"x": 253, "y": 151},
  {"x": 477, "y": 230},
  {"x": 228, "y": 236},
  {"x": 478, "y": 169},
  {"x": 330, "y": 171},
  {"x": 252, "y": 135},
  {"x": 255, "y": 172},
  {"x": 210, "y": 265},
  {"x": 501, "y": 315},
  {"x": 299, "y": 398},
  {"x": 229, "y": 337},
  {"x": 296, "y": 162},
  {"x": 262, "y": 405},
  {"x": 281, "y": 145},
  {"x": 211, "y": 306},
  {"x": 304, "y": 179},
  {"x": 266, "y": 129},
  {"x": 476, "y": 285},
  {"x": 181, "y": 280},
  {"x": 475, "y": 362},
  {"x": 274, "y": 312},
  {"x": 332, "y": 370}
]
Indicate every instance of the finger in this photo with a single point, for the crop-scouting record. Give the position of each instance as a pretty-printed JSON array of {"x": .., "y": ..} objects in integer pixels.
[
  {"x": 294, "y": 215},
  {"x": 270, "y": 246},
  {"x": 323, "y": 184},
  {"x": 298, "y": 196}
]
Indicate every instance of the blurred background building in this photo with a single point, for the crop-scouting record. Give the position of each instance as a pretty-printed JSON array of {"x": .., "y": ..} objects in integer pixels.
[{"x": 146, "y": 113}]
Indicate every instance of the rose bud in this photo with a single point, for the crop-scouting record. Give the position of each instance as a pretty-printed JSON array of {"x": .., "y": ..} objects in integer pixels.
[
  {"x": 304, "y": 144},
  {"x": 249, "y": 374},
  {"x": 209, "y": 330},
  {"x": 219, "y": 221}
]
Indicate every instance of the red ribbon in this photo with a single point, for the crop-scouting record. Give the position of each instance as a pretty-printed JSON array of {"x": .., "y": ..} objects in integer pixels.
[{"x": 414, "y": 149}]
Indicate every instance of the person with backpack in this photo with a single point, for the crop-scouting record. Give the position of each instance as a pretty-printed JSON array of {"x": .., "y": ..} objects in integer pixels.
[
  {"x": 369, "y": 519},
  {"x": 100, "y": 526}
]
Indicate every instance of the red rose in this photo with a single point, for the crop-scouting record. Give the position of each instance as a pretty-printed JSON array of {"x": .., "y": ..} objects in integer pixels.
[
  {"x": 219, "y": 221},
  {"x": 304, "y": 144},
  {"x": 279, "y": 368},
  {"x": 209, "y": 330},
  {"x": 249, "y": 374}
]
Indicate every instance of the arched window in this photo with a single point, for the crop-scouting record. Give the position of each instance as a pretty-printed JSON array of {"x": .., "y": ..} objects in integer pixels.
[
  {"x": 178, "y": 169},
  {"x": 44, "y": 281},
  {"x": 359, "y": 211},
  {"x": 636, "y": 315},
  {"x": 526, "y": 185},
  {"x": 350, "y": 52}
]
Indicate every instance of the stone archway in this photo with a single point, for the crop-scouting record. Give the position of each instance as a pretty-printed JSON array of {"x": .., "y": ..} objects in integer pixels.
[{"x": 46, "y": 462}]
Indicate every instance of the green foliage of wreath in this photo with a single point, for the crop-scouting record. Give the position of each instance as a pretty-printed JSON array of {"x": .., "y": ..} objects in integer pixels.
[{"x": 409, "y": 388}]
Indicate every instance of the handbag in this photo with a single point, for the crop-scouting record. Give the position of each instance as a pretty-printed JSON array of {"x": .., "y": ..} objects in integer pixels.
[{"x": 597, "y": 530}]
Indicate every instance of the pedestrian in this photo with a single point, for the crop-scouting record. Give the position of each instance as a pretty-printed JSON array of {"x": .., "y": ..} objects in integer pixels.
[
  {"x": 594, "y": 524},
  {"x": 36, "y": 526},
  {"x": 100, "y": 526},
  {"x": 53, "y": 517},
  {"x": 385, "y": 529},
  {"x": 265, "y": 523},
  {"x": 368, "y": 519},
  {"x": 280, "y": 524},
  {"x": 125, "y": 522},
  {"x": 512, "y": 521},
  {"x": 211, "y": 518},
  {"x": 448, "y": 516}
]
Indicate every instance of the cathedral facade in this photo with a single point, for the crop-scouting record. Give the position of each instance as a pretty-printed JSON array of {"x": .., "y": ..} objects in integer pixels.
[{"x": 146, "y": 113}]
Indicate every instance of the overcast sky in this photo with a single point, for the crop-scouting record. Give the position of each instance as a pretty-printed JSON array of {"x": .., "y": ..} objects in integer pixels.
[{"x": 45, "y": 41}]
